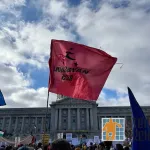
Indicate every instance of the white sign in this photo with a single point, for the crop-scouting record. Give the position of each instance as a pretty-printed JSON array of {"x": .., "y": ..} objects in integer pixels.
[
  {"x": 59, "y": 135},
  {"x": 75, "y": 141},
  {"x": 89, "y": 141},
  {"x": 96, "y": 139},
  {"x": 17, "y": 141},
  {"x": 113, "y": 129},
  {"x": 69, "y": 136},
  {"x": 50, "y": 141}
]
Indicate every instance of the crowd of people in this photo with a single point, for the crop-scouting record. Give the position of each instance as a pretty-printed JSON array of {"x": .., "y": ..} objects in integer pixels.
[
  {"x": 106, "y": 145},
  {"x": 62, "y": 144}
]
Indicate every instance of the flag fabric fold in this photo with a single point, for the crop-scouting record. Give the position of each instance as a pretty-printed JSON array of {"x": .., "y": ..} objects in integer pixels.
[
  {"x": 141, "y": 128},
  {"x": 78, "y": 71},
  {"x": 2, "y": 101}
]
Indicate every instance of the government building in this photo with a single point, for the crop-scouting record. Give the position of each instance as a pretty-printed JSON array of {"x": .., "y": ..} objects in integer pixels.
[{"x": 66, "y": 115}]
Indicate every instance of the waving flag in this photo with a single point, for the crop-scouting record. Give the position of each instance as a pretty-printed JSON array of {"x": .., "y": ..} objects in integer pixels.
[
  {"x": 141, "y": 129},
  {"x": 2, "y": 101},
  {"x": 78, "y": 71}
]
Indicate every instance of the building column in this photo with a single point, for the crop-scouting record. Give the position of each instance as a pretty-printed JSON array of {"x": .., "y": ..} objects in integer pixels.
[
  {"x": 125, "y": 120},
  {"x": 16, "y": 123},
  {"x": 35, "y": 125},
  {"x": 22, "y": 126},
  {"x": 9, "y": 127},
  {"x": 56, "y": 119},
  {"x": 91, "y": 118},
  {"x": 78, "y": 118},
  {"x": 53, "y": 119},
  {"x": 42, "y": 124},
  {"x": 69, "y": 119},
  {"x": 100, "y": 126},
  {"x": 3, "y": 123},
  {"x": 87, "y": 118},
  {"x": 94, "y": 115},
  {"x": 60, "y": 117},
  {"x": 100, "y": 122}
]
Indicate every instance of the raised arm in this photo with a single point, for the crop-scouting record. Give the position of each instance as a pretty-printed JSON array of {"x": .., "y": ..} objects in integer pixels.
[
  {"x": 118, "y": 124},
  {"x": 105, "y": 127}
]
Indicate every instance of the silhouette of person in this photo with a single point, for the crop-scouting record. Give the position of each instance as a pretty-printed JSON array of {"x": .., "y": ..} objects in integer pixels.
[{"x": 110, "y": 127}]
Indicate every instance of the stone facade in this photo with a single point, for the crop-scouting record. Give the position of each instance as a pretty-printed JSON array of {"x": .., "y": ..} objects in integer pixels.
[{"x": 65, "y": 115}]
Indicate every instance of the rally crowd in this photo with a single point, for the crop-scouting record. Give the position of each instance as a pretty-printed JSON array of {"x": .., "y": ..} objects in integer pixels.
[{"x": 62, "y": 144}]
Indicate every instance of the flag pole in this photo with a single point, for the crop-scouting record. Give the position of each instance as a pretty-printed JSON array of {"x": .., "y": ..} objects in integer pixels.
[
  {"x": 46, "y": 113},
  {"x": 120, "y": 64}
]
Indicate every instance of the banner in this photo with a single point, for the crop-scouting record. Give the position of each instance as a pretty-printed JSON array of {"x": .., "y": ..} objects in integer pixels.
[
  {"x": 59, "y": 135},
  {"x": 96, "y": 139},
  {"x": 75, "y": 141},
  {"x": 17, "y": 141},
  {"x": 141, "y": 128},
  {"x": 45, "y": 139},
  {"x": 69, "y": 136},
  {"x": 84, "y": 70},
  {"x": 113, "y": 129},
  {"x": 2, "y": 100}
]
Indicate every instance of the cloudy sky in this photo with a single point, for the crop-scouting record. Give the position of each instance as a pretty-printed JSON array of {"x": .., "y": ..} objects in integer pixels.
[{"x": 119, "y": 27}]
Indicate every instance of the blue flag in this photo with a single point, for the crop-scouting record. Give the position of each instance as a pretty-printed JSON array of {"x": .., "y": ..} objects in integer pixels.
[
  {"x": 2, "y": 101},
  {"x": 141, "y": 128}
]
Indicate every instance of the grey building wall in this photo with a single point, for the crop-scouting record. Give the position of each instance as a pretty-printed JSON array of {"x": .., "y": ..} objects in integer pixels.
[
  {"x": 66, "y": 115},
  {"x": 23, "y": 121}
]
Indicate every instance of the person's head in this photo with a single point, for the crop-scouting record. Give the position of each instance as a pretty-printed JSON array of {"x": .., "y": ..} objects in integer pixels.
[
  {"x": 110, "y": 120},
  {"x": 72, "y": 146},
  {"x": 108, "y": 143},
  {"x": 39, "y": 145},
  {"x": 8, "y": 148},
  {"x": 119, "y": 147},
  {"x": 126, "y": 148},
  {"x": 45, "y": 147},
  {"x": 60, "y": 144},
  {"x": 91, "y": 144},
  {"x": 101, "y": 146}
]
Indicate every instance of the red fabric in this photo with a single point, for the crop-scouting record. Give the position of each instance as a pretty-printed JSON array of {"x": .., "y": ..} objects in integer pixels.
[{"x": 88, "y": 69}]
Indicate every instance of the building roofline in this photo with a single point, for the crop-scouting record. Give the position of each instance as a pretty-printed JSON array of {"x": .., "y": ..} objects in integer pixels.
[{"x": 50, "y": 108}]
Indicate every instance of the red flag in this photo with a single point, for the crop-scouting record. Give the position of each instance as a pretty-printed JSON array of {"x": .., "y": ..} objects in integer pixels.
[{"x": 78, "y": 71}]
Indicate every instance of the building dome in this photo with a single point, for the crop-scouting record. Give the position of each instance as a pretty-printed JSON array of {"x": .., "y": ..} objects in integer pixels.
[{"x": 61, "y": 97}]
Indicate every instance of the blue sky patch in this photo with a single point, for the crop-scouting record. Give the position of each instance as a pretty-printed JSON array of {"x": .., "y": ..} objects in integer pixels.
[{"x": 30, "y": 13}]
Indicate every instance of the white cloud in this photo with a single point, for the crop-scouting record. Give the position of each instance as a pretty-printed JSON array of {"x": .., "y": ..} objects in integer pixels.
[
  {"x": 8, "y": 6},
  {"x": 25, "y": 43},
  {"x": 17, "y": 92},
  {"x": 122, "y": 32},
  {"x": 56, "y": 8}
]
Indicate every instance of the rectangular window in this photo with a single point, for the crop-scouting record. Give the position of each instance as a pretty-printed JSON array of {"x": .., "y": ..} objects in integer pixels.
[
  {"x": 82, "y": 119},
  {"x": 1, "y": 120}
]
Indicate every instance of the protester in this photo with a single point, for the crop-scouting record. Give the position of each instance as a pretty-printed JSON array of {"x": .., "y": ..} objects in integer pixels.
[
  {"x": 84, "y": 147},
  {"x": 39, "y": 146},
  {"x": 108, "y": 145},
  {"x": 119, "y": 147},
  {"x": 49, "y": 146},
  {"x": 91, "y": 146},
  {"x": 126, "y": 148},
  {"x": 60, "y": 145},
  {"x": 101, "y": 146}
]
